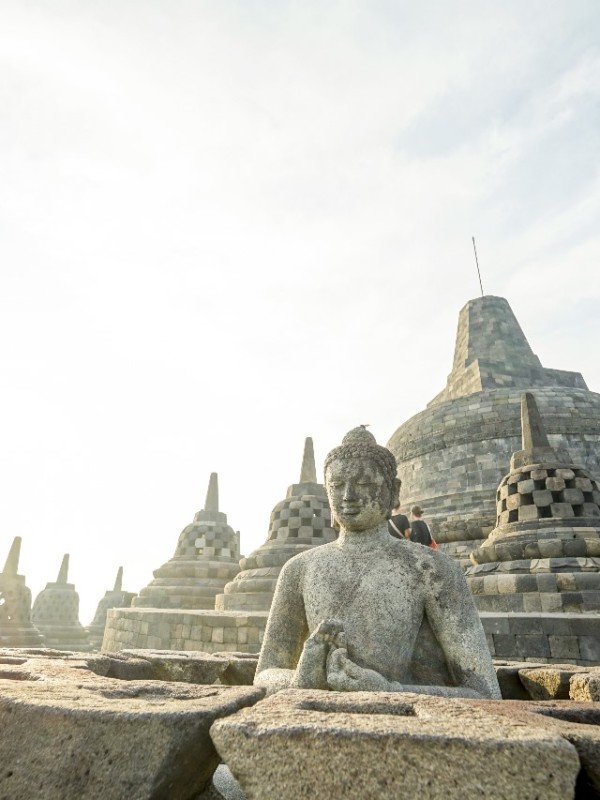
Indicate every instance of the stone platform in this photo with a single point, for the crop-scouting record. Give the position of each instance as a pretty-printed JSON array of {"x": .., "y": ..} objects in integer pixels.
[
  {"x": 185, "y": 629},
  {"x": 544, "y": 638}
]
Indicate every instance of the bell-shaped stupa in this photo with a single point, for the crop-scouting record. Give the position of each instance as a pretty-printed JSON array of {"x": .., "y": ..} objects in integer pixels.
[
  {"x": 16, "y": 627},
  {"x": 452, "y": 455},
  {"x": 113, "y": 598},
  {"x": 544, "y": 553},
  {"x": 205, "y": 559},
  {"x": 56, "y": 613},
  {"x": 300, "y": 522}
]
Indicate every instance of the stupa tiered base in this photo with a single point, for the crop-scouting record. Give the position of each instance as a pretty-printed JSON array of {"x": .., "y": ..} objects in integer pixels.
[
  {"x": 536, "y": 578},
  {"x": 184, "y": 629}
]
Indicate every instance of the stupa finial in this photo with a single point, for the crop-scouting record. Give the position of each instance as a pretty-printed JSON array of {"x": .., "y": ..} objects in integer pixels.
[
  {"x": 63, "y": 572},
  {"x": 308, "y": 472},
  {"x": 11, "y": 567},
  {"x": 533, "y": 431},
  {"x": 212, "y": 495},
  {"x": 118, "y": 580},
  {"x": 535, "y": 447}
]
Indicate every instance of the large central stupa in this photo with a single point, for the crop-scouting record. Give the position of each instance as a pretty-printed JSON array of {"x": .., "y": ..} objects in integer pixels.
[{"x": 452, "y": 456}]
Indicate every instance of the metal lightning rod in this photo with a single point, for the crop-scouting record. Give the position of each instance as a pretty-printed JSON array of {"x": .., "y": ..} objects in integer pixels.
[{"x": 477, "y": 262}]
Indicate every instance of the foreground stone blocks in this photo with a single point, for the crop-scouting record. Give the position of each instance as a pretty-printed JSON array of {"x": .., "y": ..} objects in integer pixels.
[
  {"x": 313, "y": 744},
  {"x": 69, "y": 733}
]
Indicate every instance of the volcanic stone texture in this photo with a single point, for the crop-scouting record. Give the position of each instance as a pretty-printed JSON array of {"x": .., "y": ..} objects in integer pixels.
[
  {"x": 452, "y": 456},
  {"x": 327, "y": 744},
  {"x": 70, "y": 732},
  {"x": 544, "y": 637}
]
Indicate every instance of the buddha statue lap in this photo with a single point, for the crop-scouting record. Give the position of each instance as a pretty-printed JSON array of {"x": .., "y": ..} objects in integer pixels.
[{"x": 369, "y": 612}]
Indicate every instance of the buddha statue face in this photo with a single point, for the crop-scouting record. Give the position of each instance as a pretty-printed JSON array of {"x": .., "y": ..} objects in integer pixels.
[
  {"x": 358, "y": 492},
  {"x": 361, "y": 482}
]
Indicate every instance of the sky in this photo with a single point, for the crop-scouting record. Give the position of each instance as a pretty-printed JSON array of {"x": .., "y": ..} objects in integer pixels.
[{"x": 226, "y": 226}]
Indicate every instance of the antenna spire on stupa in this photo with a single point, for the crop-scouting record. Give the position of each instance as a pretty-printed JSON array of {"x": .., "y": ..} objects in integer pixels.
[
  {"x": 11, "y": 567},
  {"x": 212, "y": 494},
  {"x": 308, "y": 472},
  {"x": 63, "y": 572},
  {"x": 118, "y": 580}
]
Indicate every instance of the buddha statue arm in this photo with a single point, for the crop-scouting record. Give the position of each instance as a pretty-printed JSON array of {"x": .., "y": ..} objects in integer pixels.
[
  {"x": 343, "y": 675},
  {"x": 289, "y": 657},
  {"x": 456, "y": 624}
]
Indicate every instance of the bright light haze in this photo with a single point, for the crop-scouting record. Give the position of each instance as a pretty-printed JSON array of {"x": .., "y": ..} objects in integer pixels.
[{"x": 226, "y": 226}]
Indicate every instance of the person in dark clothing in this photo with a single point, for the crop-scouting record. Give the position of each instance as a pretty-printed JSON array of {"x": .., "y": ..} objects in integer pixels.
[
  {"x": 419, "y": 529},
  {"x": 398, "y": 524}
]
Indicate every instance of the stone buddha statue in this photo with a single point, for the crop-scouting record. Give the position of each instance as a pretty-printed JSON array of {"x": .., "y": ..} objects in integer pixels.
[{"x": 369, "y": 612}]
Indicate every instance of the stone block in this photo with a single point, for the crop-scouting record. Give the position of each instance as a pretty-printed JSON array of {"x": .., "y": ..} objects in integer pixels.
[
  {"x": 532, "y": 602},
  {"x": 528, "y": 513},
  {"x": 555, "y": 484},
  {"x": 546, "y": 582},
  {"x": 526, "y": 487},
  {"x": 495, "y": 623},
  {"x": 539, "y": 474},
  {"x": 566, "y": 647},
  {"x": 525, "y": 624},
  {"x": 576, "y": 722},
  {"x": 565, "y": 474},
  {"x": 562, "y": 510},
  {"x": 548, "y": 683},
  {"x": 542, "y": 498},
  {"x": 324, "y": 745},
  {"x": 75, "y": 740},
  {"x": 572, "y": 496},
  {"x": 505, "y": 646},
  {"x": 584, "y": 484},
  {"x": 585, "y": 686},
  {"x": 589, "y": 647},
  {"x": 533, "y": 646},
  {"x": 551, "y": 602},
  {"x": 513, "y": 501}
]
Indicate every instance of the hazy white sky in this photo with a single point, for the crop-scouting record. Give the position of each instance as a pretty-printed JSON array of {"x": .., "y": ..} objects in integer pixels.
[{"x": 225, "y": 226}]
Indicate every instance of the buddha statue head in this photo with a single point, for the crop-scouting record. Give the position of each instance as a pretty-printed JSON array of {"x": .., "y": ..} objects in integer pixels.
[{"x": 361, "y": 481}]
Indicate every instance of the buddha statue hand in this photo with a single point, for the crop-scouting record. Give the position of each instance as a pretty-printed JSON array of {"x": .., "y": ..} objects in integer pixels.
[
  {"x": 343, "y": 675},
  {"x": 311, "y": 672}
]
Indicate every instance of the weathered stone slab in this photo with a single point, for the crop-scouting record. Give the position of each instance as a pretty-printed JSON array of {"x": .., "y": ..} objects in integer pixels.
[
  {"x": 108, "y": 739},
  {"x": 578, "y": 723},
  {"x": 173, "y": 665},
  {"x": 509, "y": 681},
  {"x": 314, "y": 744},
  {"x": 549, "y": 682},
  {"x": 585, "y": 686},
  {"x": 241, "y": 668}
]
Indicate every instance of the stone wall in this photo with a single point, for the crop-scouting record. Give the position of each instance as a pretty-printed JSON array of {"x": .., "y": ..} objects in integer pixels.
[
  {"x": 166, "y": 629},
  {"x": 546, "y": 638}
]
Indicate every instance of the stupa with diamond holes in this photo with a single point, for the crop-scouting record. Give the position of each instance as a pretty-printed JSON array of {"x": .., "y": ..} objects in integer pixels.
[
  {"x": 452, "y": 455},
  {"x": 16, "y": 626},
  {"x": 56, "y": 613},
  {"x": 299, "y": 522},
  {"x": 113, "y": 598},
  {"x": 542, "y": 560},
  {"x": 206, "y": 558}
]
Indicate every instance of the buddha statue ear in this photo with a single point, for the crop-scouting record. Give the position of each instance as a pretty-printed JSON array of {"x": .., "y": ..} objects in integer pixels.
[{"x": 396, "y": 492}]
